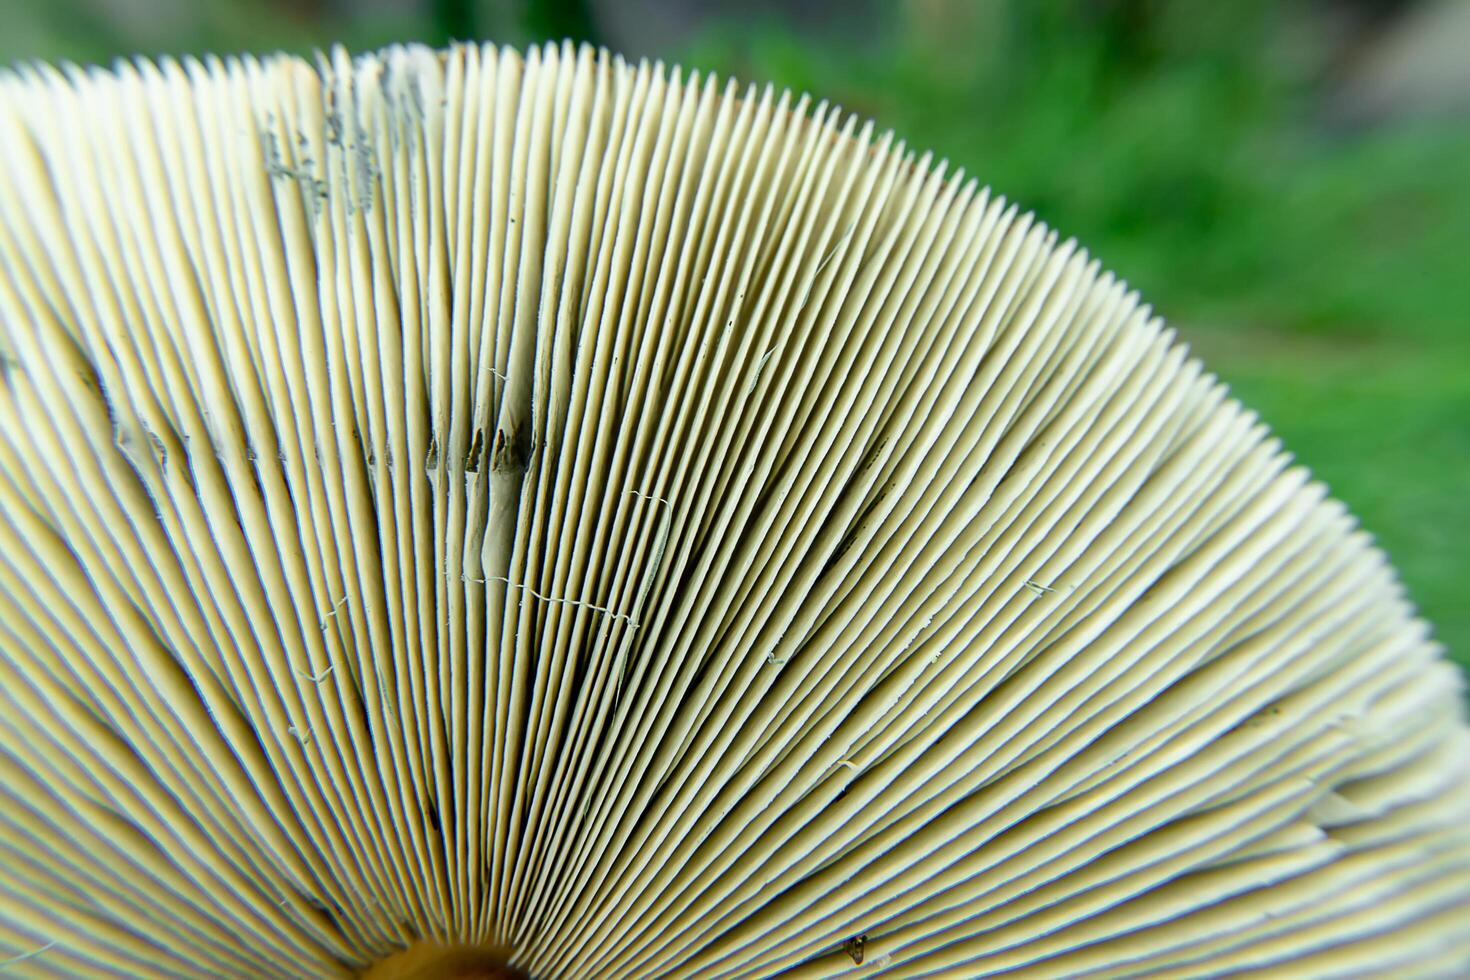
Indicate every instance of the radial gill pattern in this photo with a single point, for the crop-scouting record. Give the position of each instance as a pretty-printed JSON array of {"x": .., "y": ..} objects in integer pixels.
[{"x": 633, "y": 525}]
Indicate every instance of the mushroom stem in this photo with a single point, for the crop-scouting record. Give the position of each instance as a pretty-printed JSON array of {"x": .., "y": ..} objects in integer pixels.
[{"x": 430, "y": 960}]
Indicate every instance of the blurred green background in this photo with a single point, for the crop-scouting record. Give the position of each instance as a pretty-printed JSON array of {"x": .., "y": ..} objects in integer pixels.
[{"x": 1287, "y": 182}]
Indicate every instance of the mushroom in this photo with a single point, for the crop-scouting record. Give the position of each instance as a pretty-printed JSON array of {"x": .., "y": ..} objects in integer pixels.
[{"x": 481, "y": 513}]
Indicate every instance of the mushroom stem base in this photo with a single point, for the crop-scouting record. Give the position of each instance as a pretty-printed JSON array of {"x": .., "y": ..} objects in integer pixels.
[{"x": 430, "y": 960}]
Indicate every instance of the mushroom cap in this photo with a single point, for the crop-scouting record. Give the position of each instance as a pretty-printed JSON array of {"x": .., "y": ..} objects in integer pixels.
[{"x": 531, "y": 502}]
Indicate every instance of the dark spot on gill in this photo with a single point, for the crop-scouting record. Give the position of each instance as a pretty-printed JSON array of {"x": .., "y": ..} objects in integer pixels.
[
  {"x": 333, "y": 121},
  {"x": 477, "y": 448},
  {"x": 286, "y": 484},
  {"x": 87, "y": 375},
  {"x": 842, "y": 548},
  {"x": 499, "y": 459},
  {"x": 160, "y": 451},
  {"x": 186, "y": 471},
  {"x": 512, "y": 450},
  {"x": 366, "y": 715}
]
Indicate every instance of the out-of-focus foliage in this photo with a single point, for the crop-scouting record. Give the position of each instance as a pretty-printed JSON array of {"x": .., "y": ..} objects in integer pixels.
[{"x": 1320, "y": 264}]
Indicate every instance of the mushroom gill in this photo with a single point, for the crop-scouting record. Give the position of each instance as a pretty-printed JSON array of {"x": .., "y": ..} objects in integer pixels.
[{"x": 484, "y": 513}]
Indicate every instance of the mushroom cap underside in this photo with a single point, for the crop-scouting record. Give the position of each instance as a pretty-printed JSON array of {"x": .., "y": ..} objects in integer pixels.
[{"x": 642, "y": 526}]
